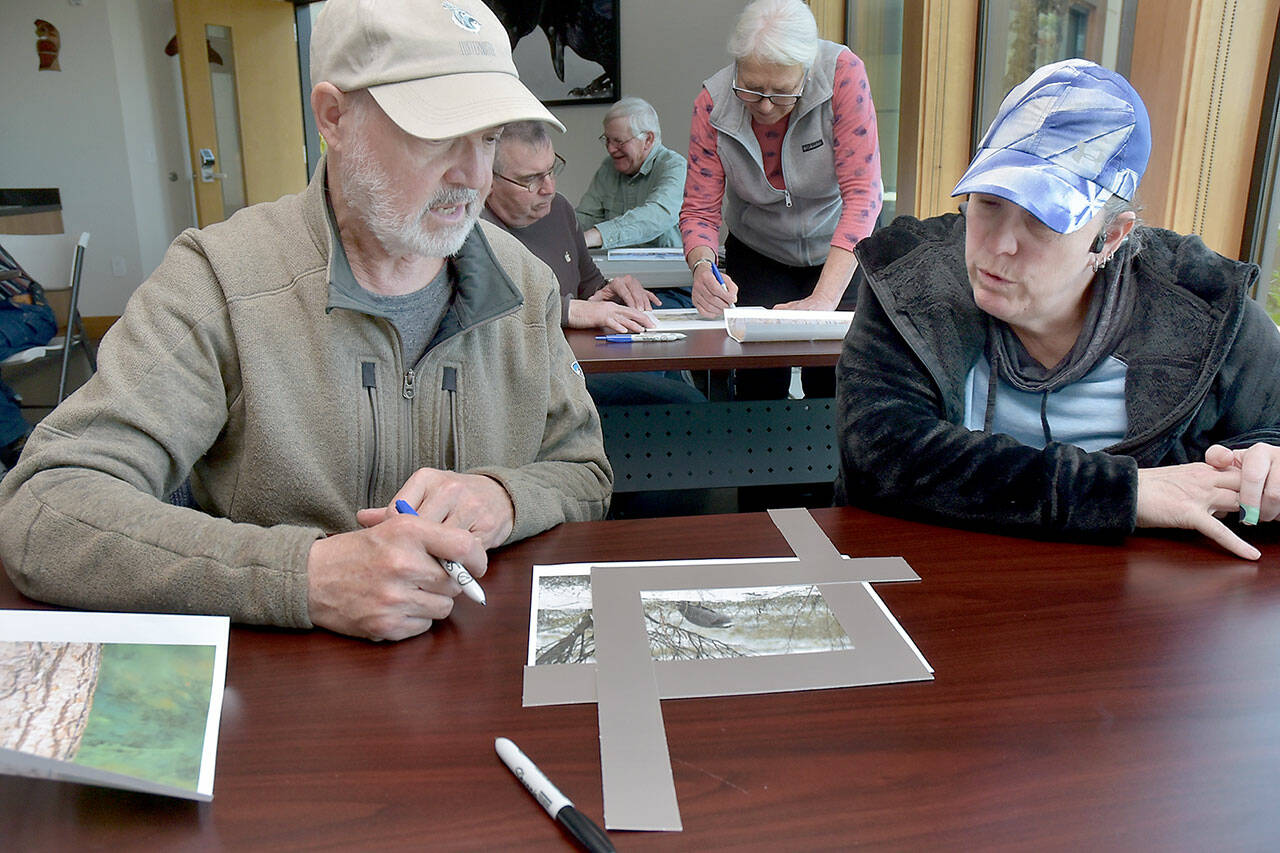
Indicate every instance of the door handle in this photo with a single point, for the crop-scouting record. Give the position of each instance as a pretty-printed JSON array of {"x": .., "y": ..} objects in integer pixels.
[{"x": 207, "y": 161}]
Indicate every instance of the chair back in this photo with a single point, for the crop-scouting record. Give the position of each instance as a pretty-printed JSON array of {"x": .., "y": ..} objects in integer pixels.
[
  {"x": 73, "y": 283},
  {"x": 75, "y": 328}
]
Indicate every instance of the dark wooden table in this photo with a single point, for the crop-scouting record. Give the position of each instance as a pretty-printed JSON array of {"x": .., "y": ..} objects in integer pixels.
[
  {"x": 702, "y": 349},
  {"x": 1086, "y": 698}
]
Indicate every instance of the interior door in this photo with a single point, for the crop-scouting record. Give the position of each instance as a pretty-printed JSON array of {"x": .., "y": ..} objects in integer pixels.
[{"x": 239, "y": 62}]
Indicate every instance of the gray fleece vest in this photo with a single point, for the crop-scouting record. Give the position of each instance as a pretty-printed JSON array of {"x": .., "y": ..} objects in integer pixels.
[{"x": 793, "y": 226}]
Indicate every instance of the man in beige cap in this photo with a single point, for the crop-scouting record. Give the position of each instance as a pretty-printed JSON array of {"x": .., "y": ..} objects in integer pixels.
[{"x": 311, "y": 361}]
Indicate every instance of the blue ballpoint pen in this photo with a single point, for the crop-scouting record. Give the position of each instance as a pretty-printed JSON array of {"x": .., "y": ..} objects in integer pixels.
[
  {"x": 715, "y": 271},
  {"x": 641, "y": 337},
  {"x": 455, "y": 570}
]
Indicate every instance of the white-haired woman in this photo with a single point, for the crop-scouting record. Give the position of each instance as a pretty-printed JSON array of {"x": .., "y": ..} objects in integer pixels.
[{"x": 787, "y": 133}]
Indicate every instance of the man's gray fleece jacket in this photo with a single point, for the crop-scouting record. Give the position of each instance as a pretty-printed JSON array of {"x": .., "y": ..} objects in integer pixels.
[{"x": 289, "y": 413}]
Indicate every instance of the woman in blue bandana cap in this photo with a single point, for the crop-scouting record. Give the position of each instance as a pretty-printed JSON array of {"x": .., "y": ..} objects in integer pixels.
[{"x": 1043, "y": 364}]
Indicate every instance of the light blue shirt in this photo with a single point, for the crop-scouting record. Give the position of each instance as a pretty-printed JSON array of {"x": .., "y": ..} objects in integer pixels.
[
  {"x": 639, "y": 209},
  {"x": 1088, "y": 413}
]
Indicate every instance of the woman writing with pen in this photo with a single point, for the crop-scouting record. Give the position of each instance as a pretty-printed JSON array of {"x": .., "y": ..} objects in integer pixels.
[{"x": 787, "y": 135}]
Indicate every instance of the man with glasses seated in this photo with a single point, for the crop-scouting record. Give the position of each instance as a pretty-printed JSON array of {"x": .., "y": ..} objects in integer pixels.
[
  {"x": 634, "y": 198},
  {"x": 524, "y": 202},
  {"x": 786, "y": 137}
]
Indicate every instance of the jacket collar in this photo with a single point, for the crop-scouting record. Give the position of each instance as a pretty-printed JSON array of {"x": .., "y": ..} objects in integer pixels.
[
  {"x": 647, "y": 166},
  {"x": 916, "y": 270},
  {"x": 1189, "y": 310},
  {"x": 482, "y": 289}
]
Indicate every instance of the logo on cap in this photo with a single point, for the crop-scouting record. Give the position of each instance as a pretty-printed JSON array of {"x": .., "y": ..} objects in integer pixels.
[
  {"x": 462, "y": 18},
  {"x": 1088, "y": 157}
]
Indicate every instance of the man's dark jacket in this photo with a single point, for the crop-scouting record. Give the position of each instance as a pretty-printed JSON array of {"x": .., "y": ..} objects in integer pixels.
[{"x": 1203, "y": 368}]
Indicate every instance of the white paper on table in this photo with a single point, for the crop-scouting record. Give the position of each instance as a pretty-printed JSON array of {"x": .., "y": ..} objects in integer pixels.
[
  {"x": 769, "y": 324},
  {"x": 682, "y": 320},
  {"x": 646, "y": 254}
]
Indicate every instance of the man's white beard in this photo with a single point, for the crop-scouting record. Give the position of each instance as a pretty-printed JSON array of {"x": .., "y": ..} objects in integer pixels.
[{"x": 368, "y": 188}]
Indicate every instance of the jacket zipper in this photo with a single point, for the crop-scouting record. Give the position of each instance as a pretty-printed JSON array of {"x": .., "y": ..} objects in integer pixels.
[
  {"x": 786, "y": 187},
  {"x": 742, "y": 140},
  {"x": 409, "y": 390},
  {"x": 369, "y": 379}
]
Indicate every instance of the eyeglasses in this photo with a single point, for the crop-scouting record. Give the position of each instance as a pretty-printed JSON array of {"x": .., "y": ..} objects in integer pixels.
[
  {"x": 610, "y": 142},
  {"x": 534, "y": 182},
  {"x": 750, "y": 96}
]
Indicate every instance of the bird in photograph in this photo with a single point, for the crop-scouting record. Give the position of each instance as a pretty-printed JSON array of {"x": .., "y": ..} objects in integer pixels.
[{"x": 703, "y": 616}]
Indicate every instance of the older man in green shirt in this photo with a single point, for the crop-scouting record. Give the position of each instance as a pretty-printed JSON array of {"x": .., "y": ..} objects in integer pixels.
[{"x": 635, "y": 196}]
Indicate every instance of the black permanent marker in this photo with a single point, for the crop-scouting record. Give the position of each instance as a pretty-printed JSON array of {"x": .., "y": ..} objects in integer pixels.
[{"x": 590, "y": 836}]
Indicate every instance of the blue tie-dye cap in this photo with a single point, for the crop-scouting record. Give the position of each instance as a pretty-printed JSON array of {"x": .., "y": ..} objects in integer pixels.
[{"x": 1064, "y": 141}]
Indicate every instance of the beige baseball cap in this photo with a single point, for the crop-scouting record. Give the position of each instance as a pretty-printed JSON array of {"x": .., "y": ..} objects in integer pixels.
[{"x": 438, "y": 68}]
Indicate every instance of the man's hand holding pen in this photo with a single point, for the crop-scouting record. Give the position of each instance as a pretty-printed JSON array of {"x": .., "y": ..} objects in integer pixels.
[
  {"x": 471, "y": 502},
  {"x": 386, "y": 581}
]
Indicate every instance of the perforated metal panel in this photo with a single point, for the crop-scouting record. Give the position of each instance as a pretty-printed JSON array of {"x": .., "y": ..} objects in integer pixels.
[{"x": 710, "y": 445}]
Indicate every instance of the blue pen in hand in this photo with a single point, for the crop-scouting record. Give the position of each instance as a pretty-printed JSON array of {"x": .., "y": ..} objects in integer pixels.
[
  {"x": 455, "y": 570},
  {"x": 715, "y": 271}
]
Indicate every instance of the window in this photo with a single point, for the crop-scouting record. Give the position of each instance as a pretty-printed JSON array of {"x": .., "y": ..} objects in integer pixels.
[
  {"x": 874, "y": 29},
  {"x": 1262, "y": 227},
  {"x": 304, "y": 19},
  {"x": 1015, "y": 37}
]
